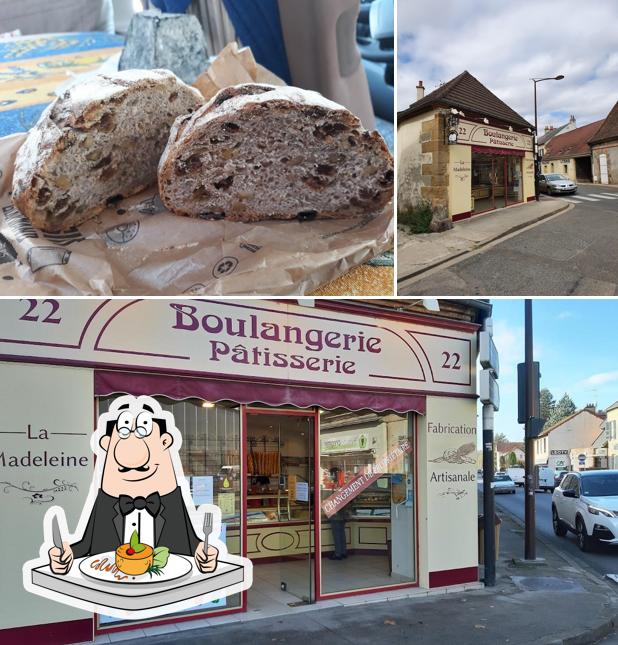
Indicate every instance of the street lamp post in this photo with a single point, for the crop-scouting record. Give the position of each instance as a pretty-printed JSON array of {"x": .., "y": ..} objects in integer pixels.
[{"x": 536, "y": 128}]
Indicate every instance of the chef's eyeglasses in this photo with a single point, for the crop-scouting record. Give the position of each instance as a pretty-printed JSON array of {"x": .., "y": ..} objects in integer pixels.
[{"x": 143, "y": 424}]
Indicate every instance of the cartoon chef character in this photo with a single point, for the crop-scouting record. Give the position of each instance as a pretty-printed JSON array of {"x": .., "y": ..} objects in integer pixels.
[{"x": 138, "y": 489}]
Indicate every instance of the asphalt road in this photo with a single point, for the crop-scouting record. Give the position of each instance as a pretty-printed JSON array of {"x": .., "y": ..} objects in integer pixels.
[
  {"x": 603, "y": 559},
  {"x": 569, "y": 254}
]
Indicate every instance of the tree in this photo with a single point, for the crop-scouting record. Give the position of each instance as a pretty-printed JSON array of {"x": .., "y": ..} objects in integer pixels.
[
  {"x": 500, "y": 437},
  {"x": 548, "y": 403},
  {"x": 512, "y": 459},
  {"x": 564, "y": 408}
]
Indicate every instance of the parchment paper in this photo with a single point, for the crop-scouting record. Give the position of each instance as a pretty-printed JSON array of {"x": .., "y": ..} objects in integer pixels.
[{"x": 138, "y": 248}]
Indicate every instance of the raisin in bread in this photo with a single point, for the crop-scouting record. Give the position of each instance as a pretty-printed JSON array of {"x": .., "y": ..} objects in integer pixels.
[
  {"x": 258, "y": 152},
  {"x": 100, "y": 140}
]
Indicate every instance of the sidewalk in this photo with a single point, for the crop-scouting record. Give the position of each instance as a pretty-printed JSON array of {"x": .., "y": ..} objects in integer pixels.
[
  {"x": 560, "y": 602},
  {"x": 418, "y": 253}
]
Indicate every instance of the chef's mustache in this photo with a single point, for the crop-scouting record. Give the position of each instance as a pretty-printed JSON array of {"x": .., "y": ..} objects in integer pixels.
[{"x": 140, "y": 469}]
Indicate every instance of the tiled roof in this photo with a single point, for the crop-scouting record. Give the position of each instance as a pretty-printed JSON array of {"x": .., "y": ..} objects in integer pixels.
[
  {"x": 571, "y": 144},
  {"x": 550, "y": 134},
  {"x": 609, "y": 129},
  {"x": 510, "y": 446},
  {"x": 465, "y": 92}
]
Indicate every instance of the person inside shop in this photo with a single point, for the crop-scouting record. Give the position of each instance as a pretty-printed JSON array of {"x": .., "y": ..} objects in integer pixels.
[
  {"x": 338, "y": 519},
  {"x": 138, "y": 491}
]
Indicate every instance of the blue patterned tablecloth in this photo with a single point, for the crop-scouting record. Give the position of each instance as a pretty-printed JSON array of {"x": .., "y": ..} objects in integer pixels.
[{"x": 32, "y": 67}]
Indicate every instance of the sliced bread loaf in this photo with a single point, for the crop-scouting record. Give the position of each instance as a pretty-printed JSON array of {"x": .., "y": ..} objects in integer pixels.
[
  {"x": 258, "y": 152},
  {"x": 100, "y": 140}
]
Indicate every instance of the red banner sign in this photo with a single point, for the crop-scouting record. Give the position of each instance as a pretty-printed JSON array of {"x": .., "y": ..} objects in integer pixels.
[{"x": 349, "y": 491}]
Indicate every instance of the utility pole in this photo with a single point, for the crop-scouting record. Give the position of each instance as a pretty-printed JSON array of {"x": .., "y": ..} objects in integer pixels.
[
  {"x": 490, "y": 398},
  {"x": 530, "y": 529}
]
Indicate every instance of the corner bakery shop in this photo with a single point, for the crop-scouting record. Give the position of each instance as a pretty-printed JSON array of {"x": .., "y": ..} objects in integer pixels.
[{"x": 324, "y": 430}]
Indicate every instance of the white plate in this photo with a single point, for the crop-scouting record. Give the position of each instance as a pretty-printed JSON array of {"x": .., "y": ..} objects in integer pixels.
[{"x": 177, "y": 566}]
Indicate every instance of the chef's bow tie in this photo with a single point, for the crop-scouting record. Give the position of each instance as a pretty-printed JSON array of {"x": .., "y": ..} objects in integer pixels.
[{"x": 152, "y": 503}]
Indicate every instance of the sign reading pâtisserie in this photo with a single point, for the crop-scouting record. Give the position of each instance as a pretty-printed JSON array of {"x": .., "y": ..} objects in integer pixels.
[
  {"x": 244, "y": 338},
  {"x": 486, "y": 135}
]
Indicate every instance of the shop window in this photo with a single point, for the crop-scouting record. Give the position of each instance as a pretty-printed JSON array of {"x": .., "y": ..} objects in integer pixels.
[
  {"x": 367, "y": 501},
  {"x": 210, "y": 456}
]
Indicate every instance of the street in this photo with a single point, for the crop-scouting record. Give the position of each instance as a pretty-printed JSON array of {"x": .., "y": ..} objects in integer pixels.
[
  {"x": 572, "y": 253},
  {"x": 603, "y": 560}
]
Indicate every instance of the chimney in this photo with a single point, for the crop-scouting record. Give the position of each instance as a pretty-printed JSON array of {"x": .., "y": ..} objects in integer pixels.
[
  {"x": 551, "y": 127},
  {"x": 420, "y": 91},
  {"x": 572, "y": 119},
  {"x": 591, "y": 407},
  {"x": 547, "y": 129}
]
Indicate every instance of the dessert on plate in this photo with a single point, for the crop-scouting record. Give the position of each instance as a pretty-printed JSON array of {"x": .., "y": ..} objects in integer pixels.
[{"x": 136, "y": 558}]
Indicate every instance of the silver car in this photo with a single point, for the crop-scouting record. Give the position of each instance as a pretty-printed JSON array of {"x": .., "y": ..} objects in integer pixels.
[
  {"x": 556, "y": 184},
  {"x": 503, "y": 484}
]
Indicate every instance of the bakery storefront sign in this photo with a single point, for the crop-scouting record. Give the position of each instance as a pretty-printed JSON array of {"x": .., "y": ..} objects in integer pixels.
[
  {"x": 485, "y": 135},
  {"x": 247, "y": 341}
]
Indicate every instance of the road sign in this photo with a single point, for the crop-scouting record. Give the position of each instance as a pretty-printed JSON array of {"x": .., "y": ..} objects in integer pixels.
[
  {"x": 488, "y": 354},
  {"x": 522, "y": 416},
  {"x": 581, "y": 459},
  {"x": 489, "y": 391}
]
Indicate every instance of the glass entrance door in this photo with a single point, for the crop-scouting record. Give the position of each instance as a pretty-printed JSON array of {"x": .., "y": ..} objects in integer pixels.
[
  {"x": 499, "y": 181},
  {"x": 280, "y": 488}
]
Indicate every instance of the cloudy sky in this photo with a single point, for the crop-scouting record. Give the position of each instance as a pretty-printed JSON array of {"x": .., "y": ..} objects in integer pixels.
[{"x": 504, "y": 44}]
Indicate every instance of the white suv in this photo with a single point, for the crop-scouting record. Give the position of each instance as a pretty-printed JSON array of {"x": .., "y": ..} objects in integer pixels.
[{"x": 587, "y": 504}]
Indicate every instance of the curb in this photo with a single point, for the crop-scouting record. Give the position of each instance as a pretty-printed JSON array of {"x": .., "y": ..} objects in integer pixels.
[
  {"x": 480, "y": 245},
  {"x": 592, "y": 634}
]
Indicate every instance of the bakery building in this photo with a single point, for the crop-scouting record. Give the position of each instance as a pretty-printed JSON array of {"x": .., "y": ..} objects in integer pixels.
[
  {"x": 569, "y": 153},
  {"x": 323, "y": 430},
  {"x": 464, "y": 150},
  {"x": 604, "y": 149}
]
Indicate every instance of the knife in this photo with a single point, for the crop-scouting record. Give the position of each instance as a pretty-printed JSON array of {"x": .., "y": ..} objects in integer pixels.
[{"x": 56, "y": 535}]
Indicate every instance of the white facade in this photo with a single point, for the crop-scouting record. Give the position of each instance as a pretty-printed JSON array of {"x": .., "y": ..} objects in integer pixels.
[{"x": 560, "y": 448}]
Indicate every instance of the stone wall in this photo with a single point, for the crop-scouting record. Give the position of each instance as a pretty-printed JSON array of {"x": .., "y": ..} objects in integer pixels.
[{"x": 422, "y": 172}]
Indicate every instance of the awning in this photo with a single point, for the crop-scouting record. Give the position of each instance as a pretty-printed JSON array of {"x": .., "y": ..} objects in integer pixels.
[
  {"x": 275, "y": 393},
  {"x": 486, "y": 150}
]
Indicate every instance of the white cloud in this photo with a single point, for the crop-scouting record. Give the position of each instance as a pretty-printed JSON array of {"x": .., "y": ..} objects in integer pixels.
[
  {"x": 564, "y": 315},
  {"x": 602, "y": 378},
  {"x": 506, "y": 44}
]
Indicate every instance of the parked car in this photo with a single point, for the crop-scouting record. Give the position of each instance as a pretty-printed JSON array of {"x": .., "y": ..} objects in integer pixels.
[
  {"x": 587, "y": 504},
  {"x": 558, "y": 476},
  {"x": 503, "y": 484},
  {"x": 544, "y": 478},
  {"x": 517, "y": 474},
  {"x": 556, "y": 184}
]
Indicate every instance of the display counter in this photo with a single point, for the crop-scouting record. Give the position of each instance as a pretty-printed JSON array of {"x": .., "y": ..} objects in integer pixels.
[{"x": 289, "y": 539}]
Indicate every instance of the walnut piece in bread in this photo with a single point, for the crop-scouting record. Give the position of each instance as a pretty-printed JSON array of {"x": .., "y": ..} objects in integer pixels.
[
  {"x": 101, "y": 140},
  {"x": 257, "y": 152}
]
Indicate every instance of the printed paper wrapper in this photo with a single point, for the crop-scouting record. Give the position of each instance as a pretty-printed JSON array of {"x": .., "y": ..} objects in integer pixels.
[{"x": 137, "y": 247}]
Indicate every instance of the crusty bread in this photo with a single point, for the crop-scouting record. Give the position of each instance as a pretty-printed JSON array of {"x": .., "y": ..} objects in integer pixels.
[
  {"x": 258, "y": 152},
  {"x": 100, "y": 140}
]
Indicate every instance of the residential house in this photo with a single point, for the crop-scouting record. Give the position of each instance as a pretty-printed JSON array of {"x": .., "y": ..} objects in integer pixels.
[
  {"x": 550, "y": 132},
  {"x": 611, "y": 435},
  {"x": 570, "y": 154},
  {"x": 561, "y": 444},
  {"x": 503, "y": 453},
  {"x": 604, "y": 147}
]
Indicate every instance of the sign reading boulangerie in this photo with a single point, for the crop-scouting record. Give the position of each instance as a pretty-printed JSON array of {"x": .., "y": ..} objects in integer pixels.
[
  {"x": 248, "y": 338},
  {"x": 349, "y": 491}
]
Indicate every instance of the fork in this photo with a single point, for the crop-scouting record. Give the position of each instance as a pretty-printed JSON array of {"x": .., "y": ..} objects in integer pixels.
[{"x": 207, "y": 531}]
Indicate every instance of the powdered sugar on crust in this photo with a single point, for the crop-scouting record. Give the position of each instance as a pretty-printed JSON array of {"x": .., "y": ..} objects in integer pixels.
[{"x": 278, "y": 93}]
